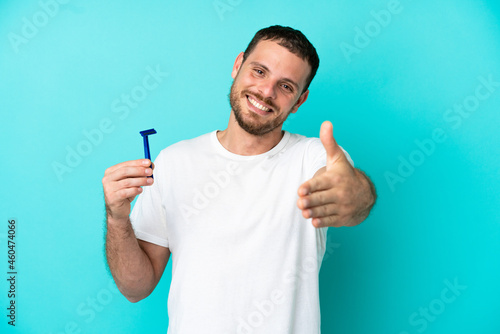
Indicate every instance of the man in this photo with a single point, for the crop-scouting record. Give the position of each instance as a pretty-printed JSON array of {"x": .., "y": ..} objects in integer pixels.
[{"x": 244, "y": 212}]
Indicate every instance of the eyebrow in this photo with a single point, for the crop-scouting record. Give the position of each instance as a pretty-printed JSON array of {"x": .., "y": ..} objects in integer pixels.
[{"x": 296, "y": 85}]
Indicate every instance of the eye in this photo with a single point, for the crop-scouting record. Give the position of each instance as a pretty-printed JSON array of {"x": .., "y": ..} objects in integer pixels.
[
  {"x": 258, "y": 71},
  {"x": 287, "y": 87}
]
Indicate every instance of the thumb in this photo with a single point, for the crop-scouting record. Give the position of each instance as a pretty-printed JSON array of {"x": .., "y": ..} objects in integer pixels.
[{"x": 333, "y": 150}]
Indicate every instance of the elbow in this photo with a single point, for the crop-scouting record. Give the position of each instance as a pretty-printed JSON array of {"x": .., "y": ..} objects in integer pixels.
[
  {"x": 133, "y": 291},
  {"x": 137, "y": 296},
  {"x": 133, "y": 299}
]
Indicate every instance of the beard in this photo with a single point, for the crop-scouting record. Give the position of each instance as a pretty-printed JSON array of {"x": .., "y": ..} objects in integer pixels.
[{"x": 253, "y": 123}]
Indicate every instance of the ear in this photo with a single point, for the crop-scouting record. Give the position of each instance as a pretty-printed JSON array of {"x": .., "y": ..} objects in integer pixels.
[
  {"x": 299, "y": 102},
  {"x": 237, "y": 65}
]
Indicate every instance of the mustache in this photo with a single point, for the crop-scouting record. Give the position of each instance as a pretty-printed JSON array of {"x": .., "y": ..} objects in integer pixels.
[{"x": 267, "y": 101}]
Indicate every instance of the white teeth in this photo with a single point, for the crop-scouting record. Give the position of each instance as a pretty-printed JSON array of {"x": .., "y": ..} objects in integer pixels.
[{"x": 257, "y": 105}]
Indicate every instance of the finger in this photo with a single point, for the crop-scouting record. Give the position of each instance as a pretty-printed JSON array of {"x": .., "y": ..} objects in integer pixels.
[
  {"x": 333, "y": 150},
  {"x": 330, "y": 221},
  {"x": 129, "y": 172},
  {"x": 317, "y": 183},
  {"x": 130, "y": 187},
  {"x": 133, "y": 182},
  {"x": 318, "y": 198},
  {"x": 321, "y": 211},
  {"x": 130, "y": 163}
]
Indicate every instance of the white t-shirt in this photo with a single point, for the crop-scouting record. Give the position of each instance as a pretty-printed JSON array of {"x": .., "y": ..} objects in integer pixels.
[{"x": 244, "y": 260}]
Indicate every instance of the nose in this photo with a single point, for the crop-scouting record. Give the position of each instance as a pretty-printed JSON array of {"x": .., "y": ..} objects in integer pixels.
[{"x": 267, "y": 88}]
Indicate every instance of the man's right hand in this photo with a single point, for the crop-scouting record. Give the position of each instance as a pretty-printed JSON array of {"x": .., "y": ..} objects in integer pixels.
[
  {"x": 136, "y": 265},
  {"x": 122, "y": 182}
]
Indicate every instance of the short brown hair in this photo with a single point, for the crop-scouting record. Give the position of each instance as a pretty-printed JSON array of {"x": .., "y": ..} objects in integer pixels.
[{"x": 291, "y": 39}]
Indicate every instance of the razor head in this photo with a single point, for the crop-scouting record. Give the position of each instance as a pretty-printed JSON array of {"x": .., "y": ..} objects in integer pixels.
[{"x": 148, "y": 132}]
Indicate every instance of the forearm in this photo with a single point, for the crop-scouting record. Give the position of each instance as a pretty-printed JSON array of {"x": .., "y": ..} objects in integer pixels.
[{"x": 131, "y": 268}]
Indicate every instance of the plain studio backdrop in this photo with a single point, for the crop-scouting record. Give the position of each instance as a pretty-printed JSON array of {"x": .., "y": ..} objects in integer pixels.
[{"x": 411, "y": 87}]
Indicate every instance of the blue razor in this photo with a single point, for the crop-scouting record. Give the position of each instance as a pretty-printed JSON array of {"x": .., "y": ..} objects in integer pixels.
[{"x": 145, "y": 135}]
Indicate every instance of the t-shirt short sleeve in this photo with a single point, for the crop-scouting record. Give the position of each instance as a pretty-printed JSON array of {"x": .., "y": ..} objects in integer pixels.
[{"x": 148, "y": 216}]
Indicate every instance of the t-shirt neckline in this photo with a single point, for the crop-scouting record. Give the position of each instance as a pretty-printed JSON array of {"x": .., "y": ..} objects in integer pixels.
[{"x": 222, "y": 150}]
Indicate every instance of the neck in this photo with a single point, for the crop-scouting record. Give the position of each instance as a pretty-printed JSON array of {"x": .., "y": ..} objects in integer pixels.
[{"x": 238, "y": 141}]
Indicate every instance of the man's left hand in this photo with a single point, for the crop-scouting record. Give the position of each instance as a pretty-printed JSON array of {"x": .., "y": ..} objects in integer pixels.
[{"x": 338, "y": 194}]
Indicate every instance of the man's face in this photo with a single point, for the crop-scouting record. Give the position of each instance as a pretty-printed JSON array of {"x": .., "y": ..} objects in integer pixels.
[{"x": 267, "y": 87}]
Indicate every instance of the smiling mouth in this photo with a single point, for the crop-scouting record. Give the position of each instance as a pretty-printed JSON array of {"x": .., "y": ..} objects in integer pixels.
[{"x": 258, "y": 105}]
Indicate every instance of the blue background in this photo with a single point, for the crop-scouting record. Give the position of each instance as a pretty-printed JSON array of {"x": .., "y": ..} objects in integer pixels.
[{"x": 437, "y": 223}]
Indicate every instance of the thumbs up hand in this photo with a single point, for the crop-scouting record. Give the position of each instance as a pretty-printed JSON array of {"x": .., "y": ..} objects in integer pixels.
[{"x": 338, "y": 194}]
